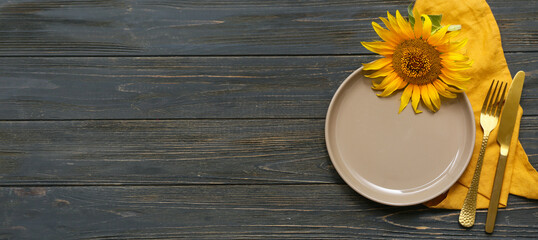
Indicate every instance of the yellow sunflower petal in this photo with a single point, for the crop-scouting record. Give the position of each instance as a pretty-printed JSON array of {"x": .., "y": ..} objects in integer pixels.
[
  {"x": 451, "y": 46},
  {"x": 426, "y": 97},
  {"x": 448, "y": 37},
  {"x": 454, "y": 56},
  {"x": 434, "y": 96},
  {"x": 377, "y": 64},
  {"x": 452, "y": 34},
  {"x": 457, "y": 45},
  {"x": 402, "y": 83},
  {"x": 384, "y": 71},
  {"x": 458, "y": 84},
  {"x": 391, "y": 87},
  {"x": 405, "y": 26},
  {"x": 418, "y": 23},
  {"x": 426, "y": 26},
  {"x": 435, "y": 39},
  {"x": 378, "y": 86},
  {"x": 468, "y": 63},
  {"x": 387, "y": 23},
  {"x": 450, "y": 88},
  {"x": 443, "y": 48},
  {"x": 454, "y": 75},
  {"x": 456, "y": 66},
  {"x": 442, "y": 89},
  {"x": 415, "y": 98},
  {"x": 404, "y": 100},
  {"x": 394, "y": 24},
  {"x": 454, "y": 90},
  {"x": 386, "y": 35},
  {"x": 381, "y": 48},
  {"x": 388, "y": 79}
]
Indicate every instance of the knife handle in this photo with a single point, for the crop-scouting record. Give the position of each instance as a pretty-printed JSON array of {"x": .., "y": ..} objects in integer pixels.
[{"x": 496, "y": 192}]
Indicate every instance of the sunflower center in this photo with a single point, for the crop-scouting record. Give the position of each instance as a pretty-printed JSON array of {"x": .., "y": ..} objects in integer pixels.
[{"x": 416, "y": 61}]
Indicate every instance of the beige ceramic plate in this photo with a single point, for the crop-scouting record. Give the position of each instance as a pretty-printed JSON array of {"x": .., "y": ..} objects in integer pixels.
[{"x": 397, "y": 159}]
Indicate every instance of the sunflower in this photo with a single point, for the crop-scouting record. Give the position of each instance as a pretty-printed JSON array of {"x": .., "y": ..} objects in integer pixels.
[{"x": 421, "y": 59}]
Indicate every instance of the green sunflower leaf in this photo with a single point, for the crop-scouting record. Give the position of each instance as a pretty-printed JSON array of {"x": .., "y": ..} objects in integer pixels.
[
  {"x": 410, "y": 14},
  {"x": 436, "y": 22}
]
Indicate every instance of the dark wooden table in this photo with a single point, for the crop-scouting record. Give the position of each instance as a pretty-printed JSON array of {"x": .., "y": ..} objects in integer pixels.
[{"x": 157, "y": 119}]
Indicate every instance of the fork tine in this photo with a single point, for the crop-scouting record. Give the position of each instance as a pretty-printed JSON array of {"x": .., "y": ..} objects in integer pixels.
[
  {"x": 501, "y": 101},
  {"x": 493, "y": 98},
  {"x": 484, "y": 106},
  {"x": 496, "y": 99}
]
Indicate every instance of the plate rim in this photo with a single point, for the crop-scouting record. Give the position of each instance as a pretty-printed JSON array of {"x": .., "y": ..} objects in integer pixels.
[{"x": 332, "y": 157}]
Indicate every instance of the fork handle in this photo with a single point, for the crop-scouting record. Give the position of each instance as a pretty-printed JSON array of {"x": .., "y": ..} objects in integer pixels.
[{"x": 468, "y": 210}]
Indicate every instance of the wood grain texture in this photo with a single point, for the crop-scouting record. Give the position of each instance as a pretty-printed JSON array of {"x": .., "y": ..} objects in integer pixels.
[
  {"x": 237, "y": 212},
  {"x": 189, "y": 87},
  {"x": 161, "y": 119},
  {"x": 153, "y": 152},
  {"x": 118, "y": 152},
  {"x": 217, "y": 27}
]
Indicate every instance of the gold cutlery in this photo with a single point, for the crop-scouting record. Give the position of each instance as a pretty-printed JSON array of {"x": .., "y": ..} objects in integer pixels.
[
  {"x": 489, "y": 116},
  {"x": 504, "y": 136}
]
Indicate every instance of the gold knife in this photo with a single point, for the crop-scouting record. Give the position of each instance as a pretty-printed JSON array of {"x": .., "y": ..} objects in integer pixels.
[{"x": 504, "y": 136}]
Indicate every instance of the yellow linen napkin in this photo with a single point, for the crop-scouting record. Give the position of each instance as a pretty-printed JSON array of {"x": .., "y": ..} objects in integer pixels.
[{"x": 484, "y": 47}]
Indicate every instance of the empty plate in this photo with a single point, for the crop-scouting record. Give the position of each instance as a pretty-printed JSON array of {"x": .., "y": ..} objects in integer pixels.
[{"x": 397, "y": 159}]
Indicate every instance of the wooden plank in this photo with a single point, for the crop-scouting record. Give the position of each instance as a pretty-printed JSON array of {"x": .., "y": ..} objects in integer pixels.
[
  {"x": 188, "y": 87},
  {"x": 261, "y": 151},
  {"x": 217, "y": 27},
  {"x": 199, "y": 87},
  {"x": 189, "y": 151},
  {"x": 237, "y": 212}
]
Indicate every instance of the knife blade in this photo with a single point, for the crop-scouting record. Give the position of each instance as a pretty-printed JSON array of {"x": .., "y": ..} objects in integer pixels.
[{"x": 504, "y": 136}]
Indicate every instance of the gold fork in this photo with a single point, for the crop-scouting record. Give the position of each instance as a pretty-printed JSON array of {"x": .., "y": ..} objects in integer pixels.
[{"x": 489, "y": 117}]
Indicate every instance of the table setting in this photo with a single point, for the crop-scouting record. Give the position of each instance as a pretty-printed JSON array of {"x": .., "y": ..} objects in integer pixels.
[
  {"x": 253, "y": 119},
  {"x": 408, "y": 158}
]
